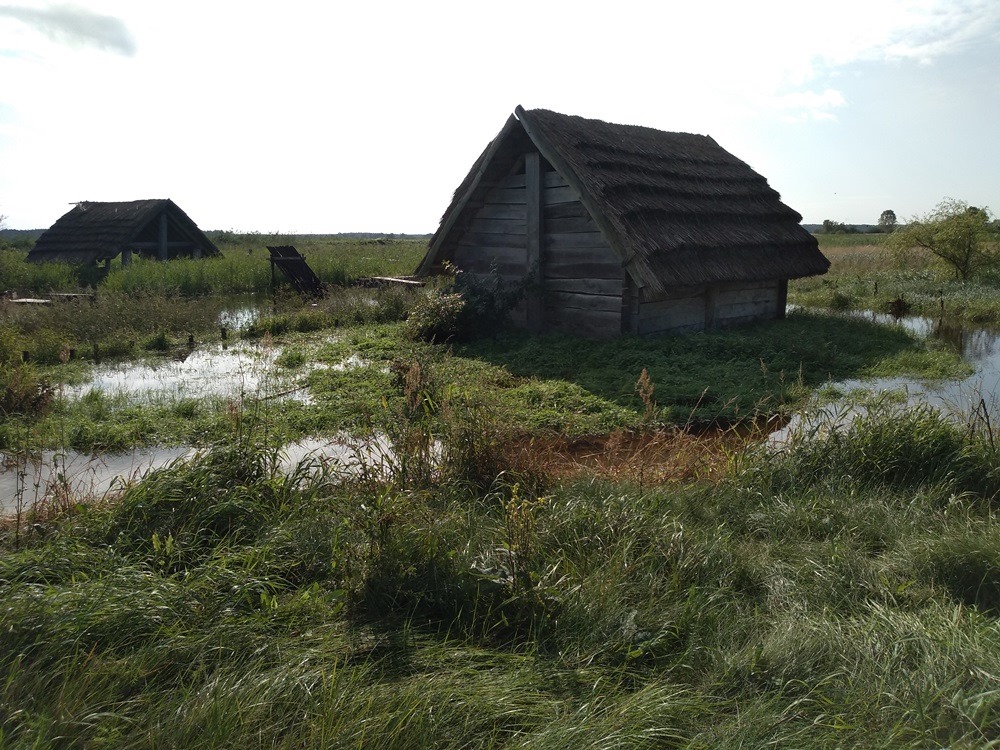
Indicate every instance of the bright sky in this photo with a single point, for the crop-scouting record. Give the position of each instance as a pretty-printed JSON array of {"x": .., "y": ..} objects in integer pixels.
[{"x": 320, "y": 116}]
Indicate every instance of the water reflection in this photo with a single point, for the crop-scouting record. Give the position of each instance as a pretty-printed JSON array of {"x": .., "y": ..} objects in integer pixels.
[{"x": 978, "y": 346}]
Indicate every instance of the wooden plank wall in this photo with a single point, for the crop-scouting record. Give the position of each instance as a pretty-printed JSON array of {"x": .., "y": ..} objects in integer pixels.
[
  {"x": 689, "y": 309},
  {"x": 582, "y": 276},
  {"x": 740, "y": 303},
  {"x": 497, "y": 234}
]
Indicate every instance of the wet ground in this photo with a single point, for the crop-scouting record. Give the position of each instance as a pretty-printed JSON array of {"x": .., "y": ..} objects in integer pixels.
[{"x": 246, "y": 369}]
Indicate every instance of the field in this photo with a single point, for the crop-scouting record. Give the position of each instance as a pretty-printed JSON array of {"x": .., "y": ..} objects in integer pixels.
[
  {"x": 867, "y": 275},
  {"x": 565, "y": 545}
]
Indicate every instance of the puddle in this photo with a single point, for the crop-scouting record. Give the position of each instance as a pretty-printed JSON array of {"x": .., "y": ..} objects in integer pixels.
[
  {"x": 980, "y": 347},
  {"x": 78, "y": 477},
  {"x": 56, "y": 475},
  {"x": 214, "y": 371}
]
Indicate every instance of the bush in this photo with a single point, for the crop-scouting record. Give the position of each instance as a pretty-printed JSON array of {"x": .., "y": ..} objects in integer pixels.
[{"x": 471, "y": 307}]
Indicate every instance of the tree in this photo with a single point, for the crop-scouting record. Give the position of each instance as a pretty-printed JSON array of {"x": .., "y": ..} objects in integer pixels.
[
  {"x": 887, "y": 221},
  {"x": 961, "y": 236}
]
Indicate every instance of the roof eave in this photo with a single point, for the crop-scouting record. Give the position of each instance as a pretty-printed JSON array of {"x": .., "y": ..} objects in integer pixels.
[{"x": 552, "y": 155}]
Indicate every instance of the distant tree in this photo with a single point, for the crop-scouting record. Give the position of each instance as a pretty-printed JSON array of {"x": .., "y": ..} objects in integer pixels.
[
  {"x": 963, "y": 237},
  {"x": 887, "y": 221},
  {"x": 838, "y": 227}
]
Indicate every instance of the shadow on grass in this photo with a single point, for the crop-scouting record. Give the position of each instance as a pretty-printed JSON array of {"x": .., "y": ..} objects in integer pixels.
[{"x": 718, "y": 376}]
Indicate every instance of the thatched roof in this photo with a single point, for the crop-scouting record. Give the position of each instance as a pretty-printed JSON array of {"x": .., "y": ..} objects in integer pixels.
[
  {"x": 94, "y": 231},
  {"x": 678, "y": 208}
]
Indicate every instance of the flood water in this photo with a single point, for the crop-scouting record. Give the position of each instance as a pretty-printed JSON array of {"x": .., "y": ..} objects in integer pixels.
[
  {"x": 980, "y": 347},
  {"x": 245, "y": 369},
  {"x": 212, "y": 371}
]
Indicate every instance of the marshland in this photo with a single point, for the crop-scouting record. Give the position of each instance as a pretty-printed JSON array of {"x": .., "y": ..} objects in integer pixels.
[{"x": 519, "y": 541}]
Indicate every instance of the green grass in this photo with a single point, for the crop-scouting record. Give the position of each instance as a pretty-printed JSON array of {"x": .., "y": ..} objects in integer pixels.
[
  {"x": 243, "y": 269},
  {"x": 220, "y": 603},
  {"x": 537, "y": 385},
  {"x": 867, "y": 275}
]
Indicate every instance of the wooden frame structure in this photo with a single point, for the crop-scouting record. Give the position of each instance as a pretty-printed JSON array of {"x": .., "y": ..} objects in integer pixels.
[
  {"x": 623, "y": 229},
  {"x": 98, "y": 231}
]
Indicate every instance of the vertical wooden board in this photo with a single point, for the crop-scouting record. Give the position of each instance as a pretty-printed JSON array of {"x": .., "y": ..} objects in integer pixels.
[
  {"x": 782, "y": 301},
  {"x": 533, "y": 238}
]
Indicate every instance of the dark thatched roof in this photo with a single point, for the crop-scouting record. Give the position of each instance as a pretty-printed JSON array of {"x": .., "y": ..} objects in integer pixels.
[
  {"x": 94, "y": 231},
  {"x": 678, "y": 208}
]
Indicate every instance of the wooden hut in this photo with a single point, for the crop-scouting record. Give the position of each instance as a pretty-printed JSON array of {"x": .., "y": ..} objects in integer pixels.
[
  {"x": 99, "y": 231},
  {"x": 623, "y": 229}
]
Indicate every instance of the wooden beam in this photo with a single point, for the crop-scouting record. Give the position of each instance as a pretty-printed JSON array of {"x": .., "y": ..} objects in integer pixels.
[
  {"x": 782, "y": 299},
  {"x": 163, "y": 237},
  {"x": 533, "y": 199}
]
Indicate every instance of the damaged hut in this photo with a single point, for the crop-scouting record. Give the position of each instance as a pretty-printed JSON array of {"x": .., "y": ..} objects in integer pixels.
[
  {"x": 98, "y": 231},
  {"x": 623, "y": 229}
]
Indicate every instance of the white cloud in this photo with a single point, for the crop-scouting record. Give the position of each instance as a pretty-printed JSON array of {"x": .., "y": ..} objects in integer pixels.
[{"x": 76, "y": 26}]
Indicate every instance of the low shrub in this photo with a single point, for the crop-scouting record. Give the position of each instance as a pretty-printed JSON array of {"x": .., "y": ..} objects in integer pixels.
[{"x": 470, "y": 307}]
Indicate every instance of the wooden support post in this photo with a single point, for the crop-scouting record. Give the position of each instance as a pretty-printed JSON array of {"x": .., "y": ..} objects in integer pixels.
[
  {"x": 533, "y": 193},
  {"x": 629, "y": 292},
  {"x": 711, "y": 302},
  {"x": 163, "y": 237},
  {"x": 126, "y": 256},
  {"x": 782, "y": 299}
]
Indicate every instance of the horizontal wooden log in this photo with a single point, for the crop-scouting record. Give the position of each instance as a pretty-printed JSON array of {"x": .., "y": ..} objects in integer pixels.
[
  {"x": 748, "y": 295},
  {"x": 591, "y": 323},
  {"x": 497, "y": 226},
  {"x": 578, "y": 241},
  {"x": 577, "y": 301},
  {"x": 666, "y": 305},
  {"x": 506, "y": 196},
  {"x": 486, "y": 239},
  {"x": 501, "y": 211},
  {"x": 512, "y": 181},
  {"x": 479, "y": 255},
  {"x": 585, "y": 286},
  {"x": 554, "y": 268},
  {"x": 553, "y": 179},
  {"x": 671, "y": 293},
  {"x": 671, "y": 329},
  {"x": 571, "y": 225},
  {"x": 744, "y": 310},
  {"x": 564, "y": 194},
  {"x": 508, "y": 270},
  {"x": 681, "y": 318},
  {"x": 565, "y": 211}
]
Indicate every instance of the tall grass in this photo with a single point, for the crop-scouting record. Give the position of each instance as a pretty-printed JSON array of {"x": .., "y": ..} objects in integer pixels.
[
  {"x": 838, "y": 593},
  {"x": 243, "y": 269}
]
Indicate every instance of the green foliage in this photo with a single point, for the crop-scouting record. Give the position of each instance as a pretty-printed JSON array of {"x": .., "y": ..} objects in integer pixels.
[
  {"x": 470, "y": 307},
  {"x": 220, "y": 602},
  {"x": 960, "y": 236},
  {"x": 887, "y": 220},
  {"x": 436, "y": 317}
]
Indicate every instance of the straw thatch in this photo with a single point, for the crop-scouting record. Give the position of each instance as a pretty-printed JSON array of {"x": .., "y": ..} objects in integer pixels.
[
  {"x": 96, "y": 231},
  {"x": 677, "y": 208}
]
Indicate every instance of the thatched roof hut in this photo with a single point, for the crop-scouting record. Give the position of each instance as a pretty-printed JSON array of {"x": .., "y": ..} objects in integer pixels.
[
  {"x": 98, "y": 231},
  {"x": 628, "y": 229}
]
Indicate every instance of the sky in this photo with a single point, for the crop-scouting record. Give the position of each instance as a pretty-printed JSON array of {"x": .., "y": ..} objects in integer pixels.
[{"x": 322, "y": 116}]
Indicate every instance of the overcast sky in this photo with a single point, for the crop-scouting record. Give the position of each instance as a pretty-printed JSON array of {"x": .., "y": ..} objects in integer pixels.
[{"x": 320, "y": 116}]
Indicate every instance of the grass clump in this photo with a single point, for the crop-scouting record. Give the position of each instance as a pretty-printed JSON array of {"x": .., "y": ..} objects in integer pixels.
[{"x": 845, "y": 607}]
